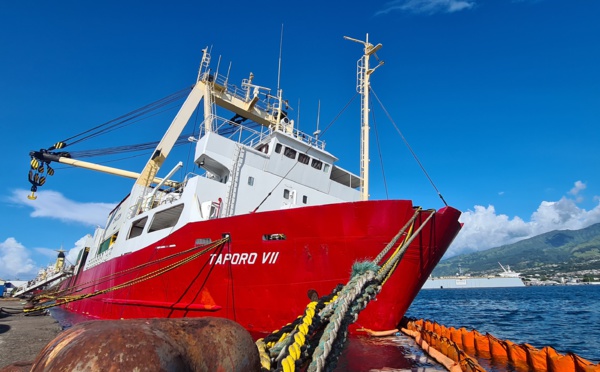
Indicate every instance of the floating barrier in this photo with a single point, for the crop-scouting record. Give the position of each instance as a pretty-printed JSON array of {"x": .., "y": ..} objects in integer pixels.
[{"x": 450, "y": 347}]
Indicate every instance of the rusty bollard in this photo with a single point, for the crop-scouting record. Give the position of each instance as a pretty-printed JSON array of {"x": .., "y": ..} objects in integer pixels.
[{"x": 198, "y": 344}]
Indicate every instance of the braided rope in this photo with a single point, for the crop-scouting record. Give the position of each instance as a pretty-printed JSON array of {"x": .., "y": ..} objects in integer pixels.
[
  {"x": 389, "y": 246},
  {"x": 106, "y": 278},
  {"x": 273, "y": 347},
  {"x": 347, "y": 295},
  {"x": 148, "y": 276},
  {"x": 365, "y": 284},
  {"x": 388, "y": 268},
  {"x": 361, "y": 296}
]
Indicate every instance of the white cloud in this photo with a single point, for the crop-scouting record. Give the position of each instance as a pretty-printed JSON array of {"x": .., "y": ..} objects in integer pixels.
[
  {"x": 15, "y": 261},
  {"x": 484, "y": 229},
  {"x": 579, "y": 186},
  {"x": 426, "y": 6},
  {"x": 71, "y": 256},
  {"x": 53, "y": 204}
]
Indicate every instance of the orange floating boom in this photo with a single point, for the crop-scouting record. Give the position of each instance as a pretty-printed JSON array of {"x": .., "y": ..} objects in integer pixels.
[{"x": 455, "y": 344}]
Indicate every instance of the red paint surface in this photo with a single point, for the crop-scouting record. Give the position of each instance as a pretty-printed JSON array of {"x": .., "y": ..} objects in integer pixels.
[{"x": 321, "y": 245}]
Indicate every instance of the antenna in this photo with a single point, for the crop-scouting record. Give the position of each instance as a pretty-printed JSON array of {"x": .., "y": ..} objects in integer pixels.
[
  {"x": 317, "y": 132},
  {"x": 298, "y": 116},
  {"x": 228, "y": 71},
  {"x": 218, "y": 65},
  {"x": 279, "y": 68}
]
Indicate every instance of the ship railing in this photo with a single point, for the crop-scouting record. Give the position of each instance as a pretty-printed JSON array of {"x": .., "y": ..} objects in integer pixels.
[
  {"x": 265, "y": 101},
  {"x": 237, "y": 132},
  {"x": 313, "y": 141},
  {"x": 252, "y": 137}
]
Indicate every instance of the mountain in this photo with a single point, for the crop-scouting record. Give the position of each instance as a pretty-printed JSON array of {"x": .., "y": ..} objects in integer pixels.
[{"x": 559, "y": 251}]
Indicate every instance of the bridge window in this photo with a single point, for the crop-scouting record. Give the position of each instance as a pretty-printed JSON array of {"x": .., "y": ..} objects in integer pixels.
[
  {"x": 251, "y": 181},
  {"x": 290, "y": 153},
  {"x": 167, "y": 218},
  {"x": 264, "y": 148},
  {"x": 107, "y": 244},
  {"x": 317, "y": 164},
  {"x": 278, "y": 148},
  {"x": 137, "y": 227},
  {"x": 303, "y": 158},
  {"x": 286, "y": 193}
]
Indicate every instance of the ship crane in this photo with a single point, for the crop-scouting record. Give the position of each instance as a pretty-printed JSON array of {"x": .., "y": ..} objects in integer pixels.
[{"x": 246, "y": 106}]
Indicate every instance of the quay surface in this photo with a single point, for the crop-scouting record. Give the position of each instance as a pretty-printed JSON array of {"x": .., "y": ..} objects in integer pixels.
[{"x": 23, "y": 337}]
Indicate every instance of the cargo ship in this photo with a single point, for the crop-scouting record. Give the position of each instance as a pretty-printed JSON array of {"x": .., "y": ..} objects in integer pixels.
[
  {"x": 265, "y": 224},
  {"x": 506, "y": 278}
]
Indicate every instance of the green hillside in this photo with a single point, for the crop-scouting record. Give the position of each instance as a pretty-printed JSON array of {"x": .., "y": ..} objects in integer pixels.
[{"x": 563, "y": 251}]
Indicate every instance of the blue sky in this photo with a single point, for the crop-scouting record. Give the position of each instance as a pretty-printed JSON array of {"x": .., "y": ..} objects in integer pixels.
[{"x": 499, "y": 99}]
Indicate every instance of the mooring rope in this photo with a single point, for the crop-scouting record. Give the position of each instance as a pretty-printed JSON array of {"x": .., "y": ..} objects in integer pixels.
[
  {"x": 79, "y": 287},
  {"x": 320, "y": 334},
  {"x": 147, "y": 276}
]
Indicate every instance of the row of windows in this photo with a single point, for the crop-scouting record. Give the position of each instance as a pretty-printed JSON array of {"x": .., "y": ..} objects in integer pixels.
[
  {"x": 302, "y": 158},
  {"x": 167, "y": 218},
  {"x": 162, "y": 220}
]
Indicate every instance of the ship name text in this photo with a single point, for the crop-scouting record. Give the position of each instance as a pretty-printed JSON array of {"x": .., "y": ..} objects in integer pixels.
[{"x": 251, "y": 258}]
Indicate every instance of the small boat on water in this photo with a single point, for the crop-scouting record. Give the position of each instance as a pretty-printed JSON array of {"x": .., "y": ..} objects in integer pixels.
[
  {"x": 505, "y": 279},
  {"x": 266, "y": 224}
]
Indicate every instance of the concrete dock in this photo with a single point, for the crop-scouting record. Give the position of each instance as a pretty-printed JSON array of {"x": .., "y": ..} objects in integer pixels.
[{"x": 23, "y": 337}]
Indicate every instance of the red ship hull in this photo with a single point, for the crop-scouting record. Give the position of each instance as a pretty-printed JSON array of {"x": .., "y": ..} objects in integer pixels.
[{"x": 265, "y": 284}]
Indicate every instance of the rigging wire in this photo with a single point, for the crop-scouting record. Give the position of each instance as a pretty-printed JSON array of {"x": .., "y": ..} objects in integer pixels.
[
  {"x": 305, "y": 152},
  {"x": 146, "y": 146},
  {"x": 121, "y": 149},
  {"x": 408, "y": 146},
  {"x": 387, "y": 196},
  {"x": 121, "y": 120},
  {"x": 113, "y": 128}
]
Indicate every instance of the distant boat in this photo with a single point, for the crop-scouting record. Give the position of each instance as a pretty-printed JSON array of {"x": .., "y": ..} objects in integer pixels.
[
  {"x": 46, "y": 277},
  {"x": 506, "y": 279},
  {"x": 508, "y": 273}
]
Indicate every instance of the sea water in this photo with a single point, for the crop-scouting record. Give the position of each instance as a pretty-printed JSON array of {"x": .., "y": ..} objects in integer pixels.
[{"x": 566, "y": 318}]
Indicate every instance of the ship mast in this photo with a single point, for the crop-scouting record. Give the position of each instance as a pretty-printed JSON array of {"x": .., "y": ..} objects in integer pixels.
[{"x": 362, "y": 87}]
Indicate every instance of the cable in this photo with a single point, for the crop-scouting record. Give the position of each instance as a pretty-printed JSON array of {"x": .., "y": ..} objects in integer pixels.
[
  {"x": 409, "y": 148},
  {"x": 387, "y": 196},
  {"x": 127, "y": 117}
]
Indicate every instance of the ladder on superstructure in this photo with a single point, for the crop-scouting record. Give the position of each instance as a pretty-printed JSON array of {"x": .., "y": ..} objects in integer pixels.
[{"x": 234, "y": 180}]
